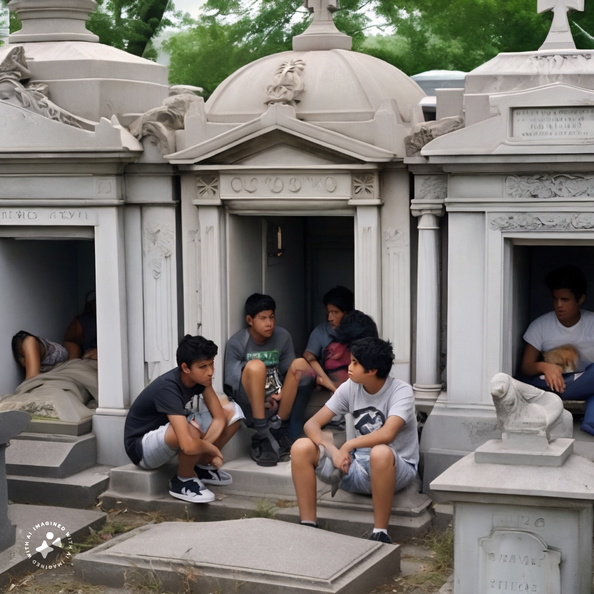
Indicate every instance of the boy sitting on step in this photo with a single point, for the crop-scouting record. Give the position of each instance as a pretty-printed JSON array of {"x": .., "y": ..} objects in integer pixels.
[
  {"x": 160, "y": 425},
  {"x": 383, "y": 456},
  {"x": 262, "y": 375}
]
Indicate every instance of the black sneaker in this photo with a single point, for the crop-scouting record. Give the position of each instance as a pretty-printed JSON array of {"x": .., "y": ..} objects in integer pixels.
[
  {"x": 191, "y": 490},
  {"x": 284, "y": 443},
  {"x": 263, "y": 452},
  {"x": 380, "y": 537},
  {"x": 211, "y": 475}
]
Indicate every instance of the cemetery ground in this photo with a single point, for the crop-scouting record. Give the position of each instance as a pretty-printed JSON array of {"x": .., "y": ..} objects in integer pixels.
[{"x": 426, "y": 562}]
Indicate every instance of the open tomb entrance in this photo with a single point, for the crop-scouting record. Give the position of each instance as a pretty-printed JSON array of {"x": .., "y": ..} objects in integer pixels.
[
  {"x": 295, "y": 259},
  {"x": 47, "y": 275},
  {"x": 530, "y": 263}
]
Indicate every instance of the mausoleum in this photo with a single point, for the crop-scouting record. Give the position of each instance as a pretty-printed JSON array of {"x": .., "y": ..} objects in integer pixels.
[{"x": 304, "y": 170}]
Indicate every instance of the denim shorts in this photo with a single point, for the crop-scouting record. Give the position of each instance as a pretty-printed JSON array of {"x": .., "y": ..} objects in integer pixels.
[{"x": 357, "y": 479}]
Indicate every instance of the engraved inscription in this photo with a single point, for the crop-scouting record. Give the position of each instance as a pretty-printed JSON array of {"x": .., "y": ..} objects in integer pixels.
[
  {"x": 310, "y": 185},
  {"x": 517, "y": 561},
  {"x": 16, "y": 215},
  {"x": 33, "y": 215},
  {"x": 553, "y": 123},
  {"x": 518, "y": 521}
]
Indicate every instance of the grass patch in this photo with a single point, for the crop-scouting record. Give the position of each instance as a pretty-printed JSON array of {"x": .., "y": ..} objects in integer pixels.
[{"x": 265, "y": 509}]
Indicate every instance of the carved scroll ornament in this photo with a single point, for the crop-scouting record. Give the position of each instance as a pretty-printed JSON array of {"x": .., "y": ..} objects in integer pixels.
[
  {"x": 160, "y": 123},
  {"x": 424, "y": 133},
  {"x": 33, "y": 96}
]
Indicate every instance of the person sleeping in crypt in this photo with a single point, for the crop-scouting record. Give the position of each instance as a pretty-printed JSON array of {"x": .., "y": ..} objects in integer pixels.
[
  {"x": 559, "y": 351},
  {"x": 37, "y": 355}
]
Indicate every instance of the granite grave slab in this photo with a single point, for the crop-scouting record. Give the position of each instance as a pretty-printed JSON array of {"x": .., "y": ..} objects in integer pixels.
[{"x": 259, "y": 555}]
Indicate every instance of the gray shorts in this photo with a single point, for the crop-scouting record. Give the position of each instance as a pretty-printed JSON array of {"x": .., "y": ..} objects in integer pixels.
[
  {"x": 357, "y": 479},
  {"x": 156, "y": 453}
]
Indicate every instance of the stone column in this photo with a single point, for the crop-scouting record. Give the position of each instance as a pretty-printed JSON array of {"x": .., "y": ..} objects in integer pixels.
[
  {"x": 368, "y": 262},
  {"x": 428, "y": 207}
]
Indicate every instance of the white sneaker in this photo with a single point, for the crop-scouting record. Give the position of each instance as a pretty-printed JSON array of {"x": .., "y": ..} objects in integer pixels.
[{"x": 191, "y": 490}]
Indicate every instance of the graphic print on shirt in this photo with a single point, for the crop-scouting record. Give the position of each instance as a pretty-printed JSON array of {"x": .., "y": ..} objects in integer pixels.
[
  {"x": 368, "y": 420},
  {"x": 271, "y": 360}
]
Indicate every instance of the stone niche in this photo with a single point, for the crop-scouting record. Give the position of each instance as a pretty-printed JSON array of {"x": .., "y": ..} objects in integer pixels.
[{"x": 519, "y": 204}]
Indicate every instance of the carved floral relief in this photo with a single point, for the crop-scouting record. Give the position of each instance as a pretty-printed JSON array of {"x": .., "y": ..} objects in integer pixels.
[
  {"x": 549, "y": 186},
  {"x": 543, "y": 221},
  {"x": 431, "y": 187},
  {"x": 364, "y": 185},
  {"x": 287, "y": 84},
  {"x": 207, "y": 186}
]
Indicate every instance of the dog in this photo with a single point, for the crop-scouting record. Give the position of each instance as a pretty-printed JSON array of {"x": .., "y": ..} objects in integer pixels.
[{"x": 566, "y": 356}]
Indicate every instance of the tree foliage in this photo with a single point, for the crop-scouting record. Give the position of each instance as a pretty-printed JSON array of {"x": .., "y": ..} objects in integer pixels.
[
  {"x": 414, "y": 35},
  {"x": 130, "y": 24}
]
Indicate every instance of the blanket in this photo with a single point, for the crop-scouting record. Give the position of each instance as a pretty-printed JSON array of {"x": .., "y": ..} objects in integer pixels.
[{"x": 67, "y": 392}]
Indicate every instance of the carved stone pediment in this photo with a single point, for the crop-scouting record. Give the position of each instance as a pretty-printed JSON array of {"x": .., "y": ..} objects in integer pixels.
[{"x": 268, "y": 130}]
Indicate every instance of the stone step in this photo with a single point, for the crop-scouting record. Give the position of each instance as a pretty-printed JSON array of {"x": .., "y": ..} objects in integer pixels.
[
  {"x": 49, "y": 455},
  {"x": 258, "y": 491},
  {"x": 79, "y": 490}
]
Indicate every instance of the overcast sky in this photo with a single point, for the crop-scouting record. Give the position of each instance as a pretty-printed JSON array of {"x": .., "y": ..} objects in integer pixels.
[{"x": 191, "y": 6}]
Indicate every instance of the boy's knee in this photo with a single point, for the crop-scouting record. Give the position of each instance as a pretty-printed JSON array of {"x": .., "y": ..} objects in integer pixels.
[
  {"x": 382, "y": 454},
  {"x": 254, "y": 367},
  {"x": 300, "y": 364},
  {"x": 304, "y": 448}
]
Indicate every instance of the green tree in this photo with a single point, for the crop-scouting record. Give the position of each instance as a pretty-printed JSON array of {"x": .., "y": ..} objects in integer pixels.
[
  {"x": 131, "y": 25},
  {"x": 462, "y": 34},
  {"x": 232, "y": 33},
  {"x": 414, "y": 35}
]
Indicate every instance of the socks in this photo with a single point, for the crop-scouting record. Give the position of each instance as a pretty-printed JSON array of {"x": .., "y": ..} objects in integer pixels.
[
  {"x": 261, "y": 427},
  {"x": 376, "y": 530}
]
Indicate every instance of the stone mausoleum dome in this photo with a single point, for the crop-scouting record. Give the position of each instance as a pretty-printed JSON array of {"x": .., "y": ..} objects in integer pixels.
[
  {"x": 84, "y": 77},
  {"x": 321, "y": 77}
]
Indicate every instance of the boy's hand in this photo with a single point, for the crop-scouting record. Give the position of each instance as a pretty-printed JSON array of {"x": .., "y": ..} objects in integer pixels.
[
  {"x": 554, "y": 377},
  {"x": 342, "y": 460},
  {"x": 210, "y": 454}
]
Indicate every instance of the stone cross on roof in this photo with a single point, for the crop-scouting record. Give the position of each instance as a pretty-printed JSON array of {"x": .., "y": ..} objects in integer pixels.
[
  {"x": 322, "y": 9},
  {"x": 559, "y": 36},
  {"x": 322, "y": 33}
]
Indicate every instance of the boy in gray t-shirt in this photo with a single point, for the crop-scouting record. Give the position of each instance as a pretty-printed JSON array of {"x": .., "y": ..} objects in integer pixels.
[
  {"x": 383, "y": 456},
  {"x": 262, "y": 375}
]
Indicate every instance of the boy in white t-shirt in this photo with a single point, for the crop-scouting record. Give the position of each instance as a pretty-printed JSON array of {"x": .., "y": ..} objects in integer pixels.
[
  {"x": 384, "y": 455},
  {"x": 567, "y": 324}
]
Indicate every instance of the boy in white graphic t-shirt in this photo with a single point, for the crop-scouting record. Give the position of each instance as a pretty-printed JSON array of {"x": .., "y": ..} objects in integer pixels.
[{"x": 567, "y": 324}]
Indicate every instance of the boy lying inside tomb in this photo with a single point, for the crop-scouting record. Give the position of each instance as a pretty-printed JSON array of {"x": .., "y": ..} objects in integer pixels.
[
  {"x": 36, "y": 354},
  {"x": 565, "y": 330}
]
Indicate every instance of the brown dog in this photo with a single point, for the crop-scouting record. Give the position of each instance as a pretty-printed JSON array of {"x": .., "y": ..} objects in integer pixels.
[{"x": 566, "y": 356}]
